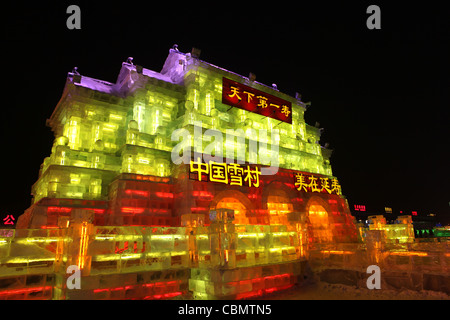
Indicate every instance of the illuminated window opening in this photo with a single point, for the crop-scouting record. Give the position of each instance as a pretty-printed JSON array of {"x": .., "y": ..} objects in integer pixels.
[
  {"x": 279, "y": 207},
  {"x": 239, "y": 209},
  {"x": 318, "y": 217}
]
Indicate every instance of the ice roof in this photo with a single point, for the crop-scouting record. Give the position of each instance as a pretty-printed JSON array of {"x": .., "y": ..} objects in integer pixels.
[
  {"x": 97, "y": 85},
  {"x": 156, "y": 75},
  {"x": 172, "y": 72},
  {"x": 124, "y": 78}
]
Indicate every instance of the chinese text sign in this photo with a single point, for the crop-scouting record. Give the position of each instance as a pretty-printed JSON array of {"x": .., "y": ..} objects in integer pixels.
[{"x": 244, "y": 97}]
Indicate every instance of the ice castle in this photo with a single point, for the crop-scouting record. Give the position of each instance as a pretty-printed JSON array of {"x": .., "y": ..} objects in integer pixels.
[{"x": 111, "y": 201}]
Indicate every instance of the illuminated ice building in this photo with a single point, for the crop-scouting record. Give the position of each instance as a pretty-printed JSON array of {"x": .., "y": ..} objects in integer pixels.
[{"x": 130, "y": 197}]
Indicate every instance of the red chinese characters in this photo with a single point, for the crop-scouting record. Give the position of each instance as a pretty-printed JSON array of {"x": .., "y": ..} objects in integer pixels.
[
  {"x": 244, "y": 97},
  {"x": 9, "y": 220}
]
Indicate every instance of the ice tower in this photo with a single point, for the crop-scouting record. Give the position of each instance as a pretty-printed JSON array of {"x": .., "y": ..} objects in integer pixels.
[{"x": 110, "y": 199}]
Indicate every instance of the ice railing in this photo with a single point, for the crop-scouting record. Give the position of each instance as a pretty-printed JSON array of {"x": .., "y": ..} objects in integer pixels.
[
  {"x": 29, "y": 251},
  {"x": 103, "y": 249},
  {"x": 426, "y": 257}
]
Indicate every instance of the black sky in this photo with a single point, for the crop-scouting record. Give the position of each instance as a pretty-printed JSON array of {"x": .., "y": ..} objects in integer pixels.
[{"x": 381, "y": 95}]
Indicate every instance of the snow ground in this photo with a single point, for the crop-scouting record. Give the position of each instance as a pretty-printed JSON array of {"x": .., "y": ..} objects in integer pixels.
[{"x": 326, "y": 291}]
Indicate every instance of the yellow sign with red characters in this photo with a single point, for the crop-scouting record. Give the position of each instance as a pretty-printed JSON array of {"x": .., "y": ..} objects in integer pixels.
[{"x": 238, "y": 95}]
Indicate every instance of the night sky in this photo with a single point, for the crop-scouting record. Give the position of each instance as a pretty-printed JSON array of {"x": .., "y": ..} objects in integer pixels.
[{"x": 380, "y": 95}]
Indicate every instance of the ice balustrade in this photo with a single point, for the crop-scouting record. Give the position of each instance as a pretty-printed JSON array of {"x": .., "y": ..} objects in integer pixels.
[{"x": 103, "y": 251}]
